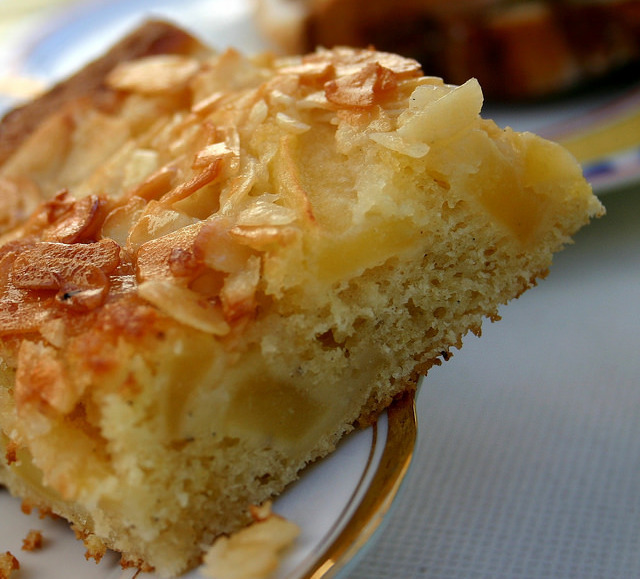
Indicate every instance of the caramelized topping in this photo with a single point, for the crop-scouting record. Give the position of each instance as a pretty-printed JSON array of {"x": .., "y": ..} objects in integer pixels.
[
  {"x": 369, "y": 86},
  {"x": 185, "y": 213},
  {"x": 65, "y": 219},
  {"x": 79, "y": 272}
]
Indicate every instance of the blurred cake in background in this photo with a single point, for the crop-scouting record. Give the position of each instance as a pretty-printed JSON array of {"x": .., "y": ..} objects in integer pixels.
[{"x": 517, "y": 49}]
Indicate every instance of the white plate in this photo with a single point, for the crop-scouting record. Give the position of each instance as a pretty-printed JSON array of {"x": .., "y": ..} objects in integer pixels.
[{"x": 339, "y": 503}]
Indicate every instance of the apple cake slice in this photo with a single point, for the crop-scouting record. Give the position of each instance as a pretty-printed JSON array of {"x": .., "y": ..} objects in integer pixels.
[{"x": 213, "y": 267}]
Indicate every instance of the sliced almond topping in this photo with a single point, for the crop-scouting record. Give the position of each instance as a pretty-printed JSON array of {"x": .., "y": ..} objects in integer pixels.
[
  {"x": 154, "y": 74},
  {"x": 208, "y": 104},
  {"x": 370, "y": 85},
  {"x": 311, "y": 73},
  {"x": 66, "y": 219},
  {"x": 77, "y": 271},
  {"x": 395, "y": 142},
  {"x": 184, "y": 306},
  {"x": 348, "y": 61},
  {"x": 120, "y": 220},
  {"x": 103, "y": 254},
  {"x": 290, "y": 189},
  {"x": 165, "y": 257},
  {"x": 239, "y": 290},
  {"x": 206, "y": 174},
  {"x": 291, "y": 125},
  {"x": 154, "y": 222},
  {"x": 253, "y": 552},
  {"x": 156, "y": 184},
  {"x": 265, "y": 211},
  {"x": 54, "y": 332},
  {"x": 239, "y": 187},
  {"x": 86, "y": 290},
  {"x": 265, "y": 238},
  {"x": 20, "y": 315},
  {"x": 210, "y": 154},
  {"x": 183, "y": 263},
  {"x": 80, "y": 222},
  {"x": 216, "y": 248}
]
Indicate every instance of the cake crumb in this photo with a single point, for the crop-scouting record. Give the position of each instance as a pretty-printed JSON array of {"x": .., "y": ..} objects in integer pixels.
[
  {"x": 11, "y": 454},
  {"x": 96, "y": 548},
  {"x": 33, "y": 541},
  {"x": 253, "y": 552},
  {"x": 8, "y": 564}
]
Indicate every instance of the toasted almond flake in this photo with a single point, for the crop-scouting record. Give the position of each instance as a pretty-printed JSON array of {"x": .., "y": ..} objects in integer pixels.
[
  {"x": 348, "y": 61},
  {"x": 184, "y": 306},
  {"x": 291, "y": 125},
  {"x": 240, "y": 186},
  {"x": 314, "y": 100},
  {"x": 218, "y": 249},
  {"x": 210, "y": 154},
  {"x": 72, "y": 220},
  {"x": 77, "y": 271},
  {"x": 257, "y": 115},
  {"x": 19, "y": 315},
  {"x": 208, "y": 104},
  {"x": 290, "y": 188},
  {"x": 264, "y": 211},
  {"x": 364, "y": 88},
  {"x": 451, "y": 111},
  {"x": 239, "y": 290},
  {"x": 153, "y": 258},
  {"x": 59, "y": 260},
  {"x": 154, "y": 74},
  {"x": 253, "y": 552},
  {"x": 396, "y": 143},
  {"x": 310, "y": 72},
  {"x": 277, "y": 97},
  {"x": 204, "y": 175},
  {"x": 120, "y": 220},
  {"x": 54, "y": 332},
  {"x": 264, "y": 238},
  {"x": 155, "y": 222},
  {"x": 142, "y": 163},
  {"x": 156, "y": 184}
]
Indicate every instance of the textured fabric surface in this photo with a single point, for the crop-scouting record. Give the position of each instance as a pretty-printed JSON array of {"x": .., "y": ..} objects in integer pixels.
[{"x": 528, "y": 460}]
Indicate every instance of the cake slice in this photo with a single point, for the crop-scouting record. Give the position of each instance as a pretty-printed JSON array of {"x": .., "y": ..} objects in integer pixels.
[{"x": 218, "y": 268}]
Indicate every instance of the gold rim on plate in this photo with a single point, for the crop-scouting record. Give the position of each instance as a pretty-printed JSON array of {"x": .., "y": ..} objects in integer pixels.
[{"x": 382, "y": 490}]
